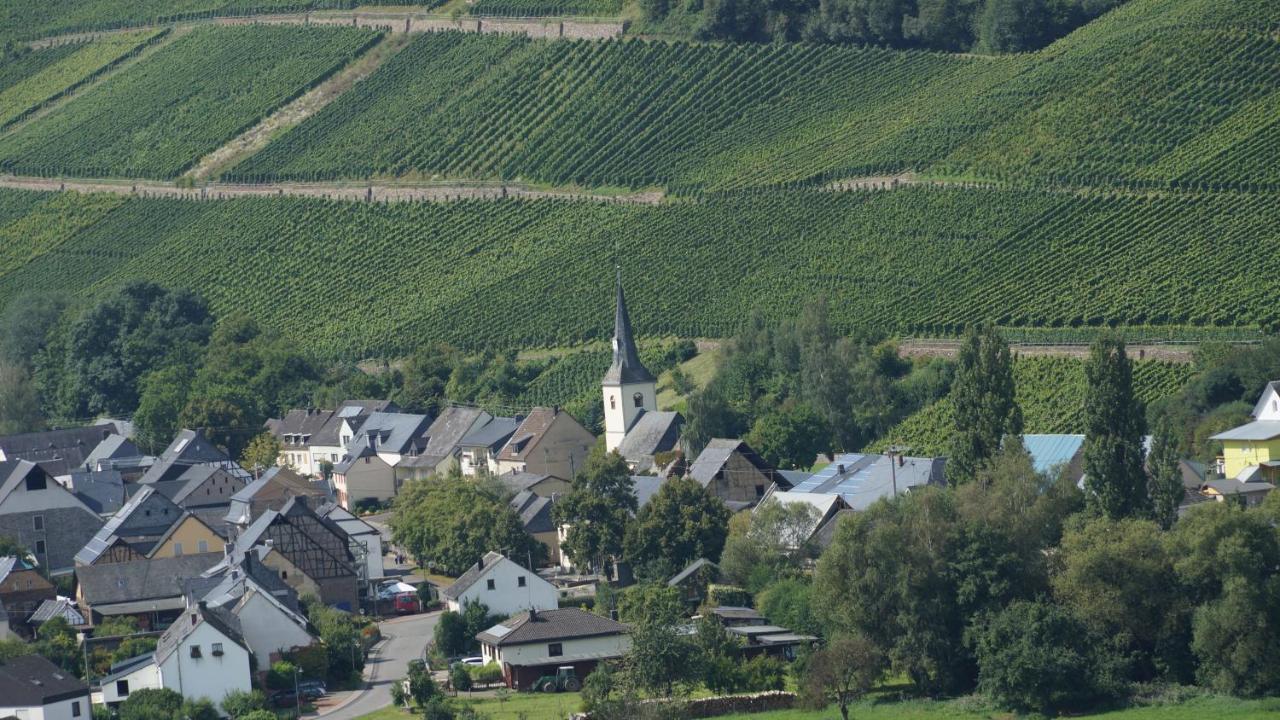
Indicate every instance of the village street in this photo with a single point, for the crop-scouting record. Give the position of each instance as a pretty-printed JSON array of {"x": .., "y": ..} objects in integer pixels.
[{"x": 403, "y": 640}]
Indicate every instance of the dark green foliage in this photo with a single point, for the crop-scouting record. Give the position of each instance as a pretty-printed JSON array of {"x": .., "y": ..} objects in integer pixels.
[
  {"x": 1034, "y": 656},
  {"x": 1164, "y": 485},
  {"x": 787, "y": 603},
  {"x": 150, "y": 704},
  {"x": 769, "y": 543},
  {"x": 459, "y": 678},
  {"x": 844, "y": 671},
  {"x": 790, "y": 438},
  {"x": 26, "y": 323},
  {"x": 281, "y": 675},
  {"x": 422, "y": 689},
  {"x": 19, "y": 403},
  {"x": 1114, "y": 423},
  {"x": 450, "y": 635},
  {"x": 681, "y": 523},
  {"x": 598, "y": 508},
  {"x": 448, "y": 524},
  {"x": 986, "y": 409},
  {"x": 239, "y": 704}
]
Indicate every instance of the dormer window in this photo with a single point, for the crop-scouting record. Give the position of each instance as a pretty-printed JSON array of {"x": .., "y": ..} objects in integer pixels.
[
  {"x": 36, "y": 481},
  {"x": 638, "y": 399}
]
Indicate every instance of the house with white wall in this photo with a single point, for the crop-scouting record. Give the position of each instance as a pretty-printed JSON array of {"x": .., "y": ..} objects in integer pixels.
[
  {"x": 204, "y": 655},
  {"x": 536, "y": 643},
  {"x": 32, "y": 688},
  {"x": 503, "y": 586},
  {"x": 129, "y": 676}
]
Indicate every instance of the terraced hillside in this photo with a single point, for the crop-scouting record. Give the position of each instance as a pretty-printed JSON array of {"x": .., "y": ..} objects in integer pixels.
[
  {"x": 1051, "y": 393},
  {"x": 1162, "y": 93},
  {"x": 158, "y": 117},
  {"x": 495, "y": 274}
]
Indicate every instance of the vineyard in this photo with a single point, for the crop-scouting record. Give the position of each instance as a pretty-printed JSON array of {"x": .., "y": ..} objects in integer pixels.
[
  {"x": 1190, "y": 102},
  {"x": 159, "y": 116},
  {"x": 69, "y": 70},
  {"x": 20, "y": 67},
  {"x": 1051, "y": 393},
  {"x": 525, "y": 273}
]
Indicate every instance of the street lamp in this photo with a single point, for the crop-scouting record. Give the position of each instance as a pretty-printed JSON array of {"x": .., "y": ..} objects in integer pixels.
[{"x": 297, "y": 697}]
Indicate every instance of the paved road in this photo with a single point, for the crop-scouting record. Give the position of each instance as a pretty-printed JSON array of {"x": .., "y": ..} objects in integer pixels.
[{"x": 404, "y": 640}]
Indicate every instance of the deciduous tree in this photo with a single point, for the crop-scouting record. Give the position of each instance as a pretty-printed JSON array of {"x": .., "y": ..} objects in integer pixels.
[
  {"x": 597, "y": 510},
  {"x": 1114, "y": 425},
  {"x": 681, "y": 523},
  {"x": 986, "y": 408}
]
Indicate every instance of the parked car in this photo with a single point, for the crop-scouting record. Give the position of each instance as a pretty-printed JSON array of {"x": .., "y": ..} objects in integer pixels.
[
  {"x": 472, "y": 661},
  {"x": 284, "y": 698},
  {"x": 312, "y": 689}
]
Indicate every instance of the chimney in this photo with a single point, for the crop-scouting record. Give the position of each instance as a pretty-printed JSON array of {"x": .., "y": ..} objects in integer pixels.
[
  {"x": 533, "y": 614},
  {"x": 480, "y": 564},
  {"x": 840, "y": 469}
]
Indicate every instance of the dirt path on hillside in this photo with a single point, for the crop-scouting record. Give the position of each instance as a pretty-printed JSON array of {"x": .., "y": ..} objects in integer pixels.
[
  {"x": 408, "y": 20},
  {"x": 370, "y": 192},
  {"x": 949, "y": 348}
]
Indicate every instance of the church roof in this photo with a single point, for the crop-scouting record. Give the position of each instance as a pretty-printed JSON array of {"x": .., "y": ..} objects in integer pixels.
[{"x": 626, "y": 367}]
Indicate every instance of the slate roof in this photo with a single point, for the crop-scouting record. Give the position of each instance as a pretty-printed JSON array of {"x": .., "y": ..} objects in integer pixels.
[
  {"x": 827, "y": 532},
  {"x": 222, "y": 620},
  {"x": 113, "y": 447},
  {"x": 645, "y": 487},
  {"x": 129, "y": 524},
  {"x": 652, "y": 433},
  {"x": 526, "y": 437},
  {"x": 294, "y": 507},
  {"x": 717, "y": 452},
  {"x": 534, "y": 511},
  {"x": 225, "y": 583},
  {"x": 31, "y": 681},
  {"x": 519, "y": 482},
  {"x": 550, "y": 625},
  {"x": 493, "y": 435},
  {"x": 142, "y": 579},
  {"x": 189, "y": 448},
  {"x": 472, "y": 575},
  {"x": 57, "y": 451},
  {"x": 1233, "y": 486},
  {"x": 60, "y": 607},
  {"x": 1256, "y": 430},
  {"x": 125, "y": 667},
  {"x": 102, "y": 491},
  {"x": 626, "y": 366},
  {"x": 304, "y": 422},
  {"x": 354, "y": 412},
  {"x": 861, "y": 479},
  {"x": 449, "y": 428},
  {"x": 400, "y": 433},
  {"x": 692, "y": 568}
]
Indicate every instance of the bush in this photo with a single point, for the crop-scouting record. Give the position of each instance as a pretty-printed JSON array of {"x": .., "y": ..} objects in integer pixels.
[
  {"x": 460, "y": 677},
  {"x": 280, "y": 676},
  {"x": 451, "y": 634},
  {"x": 728, "y": 595},
  {"x": 260, "y": 715},
  {"x": 762, "y": 673},
  {"x": 151, "y": 704},
  {"x": 1034, "y": 656},
  {"x": 199, "y": 709},
  {"x": 486, "y": 674},
  {"x": 239, "y": 704}
]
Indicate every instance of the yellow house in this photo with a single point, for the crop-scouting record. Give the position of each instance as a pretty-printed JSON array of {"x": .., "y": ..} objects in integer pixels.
[
  {"x": 189, "y": 535},
  {"x": 1252, "y": 451}
]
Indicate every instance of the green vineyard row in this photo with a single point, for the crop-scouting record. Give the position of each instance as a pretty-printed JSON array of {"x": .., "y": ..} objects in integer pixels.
[
  {"x": 349, "y": 278},
  {"x": 1188, "y": 98},
  {"x": 158, "y": 117},
  {"x": 1051, "y": 393}
]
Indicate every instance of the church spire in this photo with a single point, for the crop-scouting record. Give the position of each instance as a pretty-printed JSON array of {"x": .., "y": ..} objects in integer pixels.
[{"x": 626, "y": 367}]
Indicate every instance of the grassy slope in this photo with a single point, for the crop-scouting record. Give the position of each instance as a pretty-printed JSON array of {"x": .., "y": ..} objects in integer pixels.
[
  {"x": 1051, "y": 393},
  {"x": 529, "y": 273},
  {"x": 1163, "y": 93},
  {"x": 158, "y": 117}
]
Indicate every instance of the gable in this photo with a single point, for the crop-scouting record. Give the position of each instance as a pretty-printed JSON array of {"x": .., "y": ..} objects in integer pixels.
[
  {"x": 30, "y": 489},
  {"x": 1268, "y": 406},
  {"x": 187, "y": 534}
]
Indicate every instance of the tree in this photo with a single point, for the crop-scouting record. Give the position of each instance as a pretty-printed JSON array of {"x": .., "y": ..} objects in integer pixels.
[
  {"x": 459, "y": 678},
  {"x": 597, "y": 510},
  {"x": 12, "y": 548},
  {"x": 239, "y": 704},
  {"x": 844, "y": 671},
  {"x": 984, "y": 397},
  {"x": 1012, "y": 25},
  {"x": 227, "y": 415},
  {"x": 26, "y": 324},
  {"x": 56, "y": 641},
  {"x": 1165, "y": 486},
  {"x": 768, "y": 543},
  {"x": 151, "y": 704},
  {"x": 19, "y": 405},
  {"x": 449, "y": 524},
  {"x": 1034, "y": 656},
  {"x": 791, "y": 437},
  {"x": 681, "y": 523},
  {"x": 1114, "y": 425},
  {"x": 164, "y": 395},
  {"x": 140, "y": 328},
  {"x": 421, "y": 687},
  {"x": 451, "y": 634},
  {"x": 198, "y": 709},
  {"x": 787, "y": 603},
  {"x": 262, "y": 453},
  {"x": 659, "y": 659}
]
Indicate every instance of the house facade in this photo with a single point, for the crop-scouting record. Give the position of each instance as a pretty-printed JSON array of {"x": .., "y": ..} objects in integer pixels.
[
  {"x": 22, "y": 588},
  {"x": 503, "y": 586},
  {"x": 204, "y": 655},
  {"x": 49, "y": 520},
  {"x": 549, "y": 441},
  {"x": 129, "y": 676},
  {"x": 32, "y": 688},
  {"x": 734, "y": 472},
  {"x": 1251, "y": 452},
  {"x": 536, "y": 643},
  {"x": 366, "y": 540}
]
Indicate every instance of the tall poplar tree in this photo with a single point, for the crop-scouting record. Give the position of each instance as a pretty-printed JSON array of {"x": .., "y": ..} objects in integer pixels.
[
  {"x": 986, "y": 407},
  {"x": 1115, "y": 481},
  {"x": 1165, "y": 484}
]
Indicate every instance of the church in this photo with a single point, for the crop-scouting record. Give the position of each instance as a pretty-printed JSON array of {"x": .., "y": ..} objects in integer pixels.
[{"x": 633, "y": 424}]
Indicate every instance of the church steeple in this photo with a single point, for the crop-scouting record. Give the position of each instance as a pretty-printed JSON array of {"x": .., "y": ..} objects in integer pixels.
[{"x": 626, "y": 367}]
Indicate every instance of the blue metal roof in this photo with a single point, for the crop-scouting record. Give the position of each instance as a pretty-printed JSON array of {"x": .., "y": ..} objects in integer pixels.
[
  {"x": 861, "y": 479},
  {"x": 1049, "y": 451}
]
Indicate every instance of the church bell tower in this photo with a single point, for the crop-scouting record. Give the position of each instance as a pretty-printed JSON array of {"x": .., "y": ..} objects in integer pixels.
[{"x": 630, "y": 390}]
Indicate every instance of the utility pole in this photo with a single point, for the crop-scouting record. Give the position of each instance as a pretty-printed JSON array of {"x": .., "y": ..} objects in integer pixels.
[{"x": 297, "y": 698}]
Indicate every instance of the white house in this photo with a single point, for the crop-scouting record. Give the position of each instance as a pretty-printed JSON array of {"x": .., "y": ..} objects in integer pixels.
[
  {"x": 129, "y": 676},
  {"x": 32, "y": 688},
  {"x": 204, "y": 655},
  {"x": 537, "y": 643},
  {"x": 366, "y": 540},
  {"x": 503, "y": 586},
  {"x": 265, "y": 607}
]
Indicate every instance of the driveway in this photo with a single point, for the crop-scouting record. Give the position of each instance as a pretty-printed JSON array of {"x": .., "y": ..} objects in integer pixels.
[{"x": 403, "y": 640}]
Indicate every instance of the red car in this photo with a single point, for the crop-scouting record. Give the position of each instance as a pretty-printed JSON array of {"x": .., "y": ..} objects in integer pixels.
[{"x": 406, "y": 604}]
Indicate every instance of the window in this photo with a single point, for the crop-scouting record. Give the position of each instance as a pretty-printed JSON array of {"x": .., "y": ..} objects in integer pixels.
[
  {"x": 284, "y": 575},
  {"x": 613, "y": 403},
  {"x": 489, "y": 583},
  {"x": 217, "y": 649},
  {"x": 759, "y": 491},
  {"x": 39, "y": 521},
  {"x": 75, "y": 709},
  {"x": 195, "y": 651},
  {"x": 177, "y": 549},
  {"x": 122, "y": 688},
  {"x": 36, "y": 481},
  {"x": 520, "y": 581},
  {"x": 39, "y": 547},
  {"x": 203, "y": 546},
  {"x": 638, "y": 399},
  {"x": 555, "y": 650}
]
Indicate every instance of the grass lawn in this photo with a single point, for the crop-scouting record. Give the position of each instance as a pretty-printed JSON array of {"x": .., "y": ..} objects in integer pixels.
[{"x": 700, "y": 369}]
